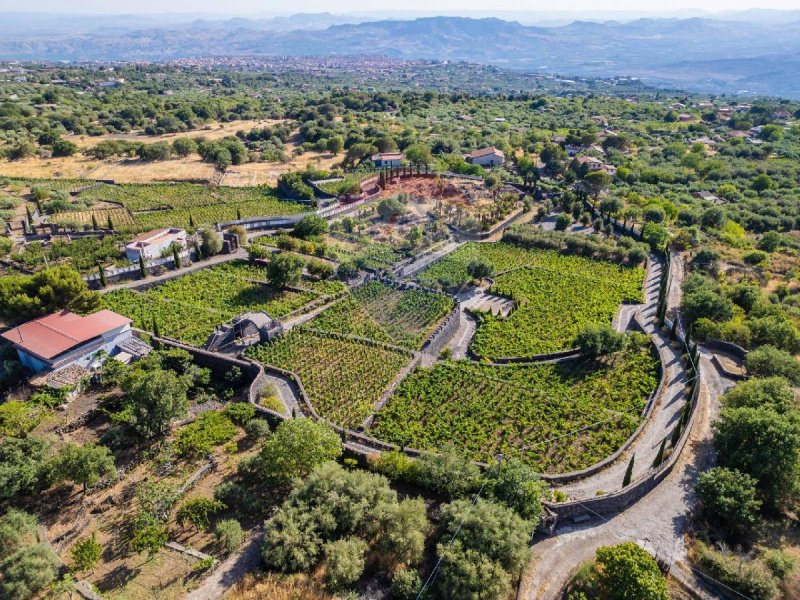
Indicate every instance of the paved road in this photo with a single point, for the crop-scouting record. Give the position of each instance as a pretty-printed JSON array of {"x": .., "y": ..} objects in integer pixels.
[
  {"x": 656, "y": 522},
  {"x": 666, "y": 412}
]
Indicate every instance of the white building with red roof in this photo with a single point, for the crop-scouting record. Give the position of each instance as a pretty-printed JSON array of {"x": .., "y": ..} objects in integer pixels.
[
  {"x": 486, "y": 157},
  {"x": 153, "y": 243},
  {"x": 64, "y": 339}
]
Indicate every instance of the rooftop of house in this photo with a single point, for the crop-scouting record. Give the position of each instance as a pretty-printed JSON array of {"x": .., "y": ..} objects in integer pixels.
[
  {"x": 388, "y": 156},
  {"x": 151, "y": 237},
  {"x": 491, "y": 150},
  {"x": 54, "y": 334}
]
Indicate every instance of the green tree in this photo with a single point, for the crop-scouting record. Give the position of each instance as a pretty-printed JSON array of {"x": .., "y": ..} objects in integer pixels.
[
  {"x": 773, "y": 392},
  {"x": 153, "y": 399},
  {"x": 335, "y": 144},
  {"x": 449, "y": 473},
  {"x": 284, "y": 269},
  {"x": 599, "y": 340},
  {"x": 763, "y": 444},
  {"x": 519, "y": 487},
  {"x": 291, "y": 542},
  {"x": 27, "y": 567},
  {"x": 418, "y": 154},
  {"x": 403, "y": 528},
  {"x": 310, "y": 226},
  {"x": 344, "y": 560},
  {"x": 626, "y": 480},
  {"x": 627, "y": 571},
  {"x": 768, "y": 361},
  {"x": 86, "y": 464},
  {"x": 728, "y": 501},
  {"x": 86, "y": 552},
  {"x": 597, "y": 181},
  {"x": 480, "y": 269},
  {"x": 23, "y": 297},
  {"x": 198, "y": 512},
  {"x": 25, "y": 465},
  {"x": 390, "y": 208},
  {"x": 296, "y": 447},
  {"x": 467, "y": 574},
  {"x": 762, "y": 182}
]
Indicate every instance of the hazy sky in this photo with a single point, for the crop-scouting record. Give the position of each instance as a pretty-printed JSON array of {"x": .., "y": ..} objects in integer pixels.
[{"x": 338, "y": 6}]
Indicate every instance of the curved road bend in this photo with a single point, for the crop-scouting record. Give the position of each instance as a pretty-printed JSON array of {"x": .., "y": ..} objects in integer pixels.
[{"x": 656, "y": 521}]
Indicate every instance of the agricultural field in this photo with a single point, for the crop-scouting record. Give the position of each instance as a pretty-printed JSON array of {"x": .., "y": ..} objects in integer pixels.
[
  {"x": 387, "y": 314},
  {"x": 189, "y": 308},
  {"x": 119, "y": 218},
  {"x": 556, "y": 296},
  {"x": 519, "y": 410},
  {"x": 366, "y": 254},
  {"x": 344, "y": 378}
]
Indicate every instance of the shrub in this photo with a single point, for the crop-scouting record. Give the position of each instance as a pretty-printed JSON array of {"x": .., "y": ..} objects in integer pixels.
[
  {"x": 229, "y": 532},
  {"x": 754, "y": 258},
  {"x": 448, "y": 473},
  {"x": 519, "y": 487},
  {"x": 310, "y": 226},
  {"x": 199, "y": 438},
  {"x": 467, "y": 574},
  {"x": 728, "y": 500},
  {"x": 198, "y": 512},
  {"x": 344, "y": 560},
  {"x": 599, "y": 340},
  {"x": 749, "y": 577},
  {"x": 772, "y": 392},
  {"x": 291, "y": 542},
  {"x": 86, "y": 552},
  {"x": 628, "y": 571},
  {"x": 780, "y": 563},
  {"x": 768, "y": 361},
  {"x": 240, "y": 412},
  {"x": 257, "y": 429},
  {"x": 406, "y": 584}
]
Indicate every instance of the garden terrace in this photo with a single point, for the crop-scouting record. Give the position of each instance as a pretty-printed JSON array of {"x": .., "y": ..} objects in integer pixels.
[
  {"x": 189, "y": 308},
  {"x": 344, "y": 378},
  {"x": 556, "y": 417},
  {"x": 385, "y": 313},
  {"x": 374, "y": 256}
]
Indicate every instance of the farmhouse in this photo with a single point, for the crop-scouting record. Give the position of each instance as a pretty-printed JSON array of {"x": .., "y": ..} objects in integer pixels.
[
  {"x": 486, "y": 157},
  {"x": 153, "y": 243},
  {"x": 387, "y": 160},
  {"x": 65, "y": 339},
  {"x": 708, "y": 197}
]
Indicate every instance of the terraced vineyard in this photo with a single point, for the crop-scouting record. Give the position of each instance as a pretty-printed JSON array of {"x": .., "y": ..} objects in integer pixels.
[
  {"x": 162, "y": 205},
  {"x": 556, "y": 296},
  {"x": 555, "y": 417},
  {"x": 368, "y": 255},
  {"x": 386, "y": 314},
  {"x": 343, "y": 378},
  {"x": 189, "y": 308},
  {"x": 121, "y": 218}
]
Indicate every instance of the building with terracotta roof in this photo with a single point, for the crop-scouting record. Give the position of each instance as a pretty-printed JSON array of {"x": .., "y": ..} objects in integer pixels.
[
  {"x": 65, "y": 339},
  {"x": 153, "y": 243},
  {"x": 486, "y": 157},
  {"x": 387, "y": 160}
]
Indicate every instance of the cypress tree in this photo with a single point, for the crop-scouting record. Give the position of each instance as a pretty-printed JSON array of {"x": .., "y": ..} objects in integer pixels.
[
  {"x": 660, "y": 456},
  {"x": 110, "y": 223},
  {"x": 676, "y": 433},
  {"x": 238, "y": 214},
  {"x": 628, "y": 472},
  {"x": 175, "y": 256},
  {"x": 191, "y": 221},
  {"x": 102, "y": 271},
  {"x": 94, "y": 222},
  {"x": 155, "y": 328},
  {"x": 142, "y": 269},
  {"x": 28, "y": 214}
]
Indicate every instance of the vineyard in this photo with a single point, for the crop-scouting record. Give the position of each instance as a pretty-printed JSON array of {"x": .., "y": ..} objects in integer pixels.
[
  {"x": 343, "y": 378},
  {"x": 555, "y": 417},
  {"x": 189, "y": 308},
  {"x": 82, "y": 253},
  {"x": 556, "y": 296},
  {"x": 366, "y": 254},
  {"x": 121, "y": 218},
  {"x": 386, "y": 314}
]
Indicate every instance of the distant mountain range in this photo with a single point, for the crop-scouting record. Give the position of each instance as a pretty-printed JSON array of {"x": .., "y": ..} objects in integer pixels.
[{"x": 760, "y": 55}]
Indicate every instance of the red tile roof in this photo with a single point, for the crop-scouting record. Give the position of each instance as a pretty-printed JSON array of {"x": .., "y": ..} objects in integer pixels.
[
  {"x": 55, "y": 334},
  {"x": 486, "y": 152}
]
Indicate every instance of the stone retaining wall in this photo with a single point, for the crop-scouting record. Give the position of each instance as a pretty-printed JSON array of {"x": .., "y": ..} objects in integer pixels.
[
  {"x": 617, "y": 501},
  {"x": 727, "y": 347}
]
